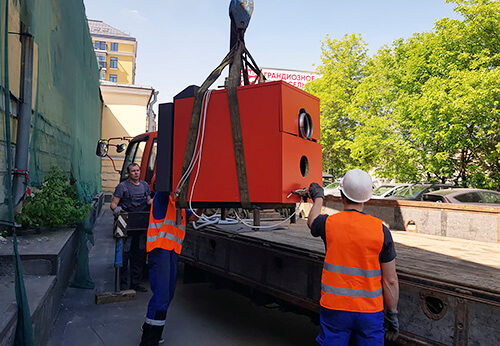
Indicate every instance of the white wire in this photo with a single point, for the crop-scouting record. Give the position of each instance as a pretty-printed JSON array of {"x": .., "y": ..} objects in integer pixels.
[
  {"x": 211, "y": 220},
  {"x": 268, "y": 226},
  {"x": 206, "y": 100},
  {"x": 188, "y": 171},
  {"x": 186, "y": 174}
]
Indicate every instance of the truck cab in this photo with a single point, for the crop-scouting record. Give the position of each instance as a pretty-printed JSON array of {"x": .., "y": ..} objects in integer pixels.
[{"x": 144, "y": 148}]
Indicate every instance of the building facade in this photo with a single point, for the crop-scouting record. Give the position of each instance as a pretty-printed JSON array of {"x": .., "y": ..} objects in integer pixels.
[
  {"x": 127, "y": 110},
  {"x": 123, "y": 115},
  {"x": 116, "y": 52}
]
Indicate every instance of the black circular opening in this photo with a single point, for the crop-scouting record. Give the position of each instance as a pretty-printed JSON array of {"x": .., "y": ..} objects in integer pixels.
[
  {"x": 304, "y": 166},
  {"x": 213, "y": 244},
  {"x": 434, "y": 305},
  {"x": 305, "y": 124}
]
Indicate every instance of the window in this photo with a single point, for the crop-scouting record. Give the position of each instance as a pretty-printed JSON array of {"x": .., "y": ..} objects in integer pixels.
[
  {"x": 469, "y": 197},
  {"x": 102, "y": 75},
  {"x": 133, "y": 154},
  {"x": 101, "y": 45},
  {"x": 113, "y": 78},
  {"x": 151, "y": 163},
  {"x": 491, "y": 197},
  {"x": 113, "y": 62},
  {"x": 114, "y": 46},
  {"x": 101, "y": 59}
]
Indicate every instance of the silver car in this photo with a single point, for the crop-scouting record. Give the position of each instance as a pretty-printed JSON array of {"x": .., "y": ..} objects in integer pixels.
[
  {"x": 387, "y": 190},
  {"x": 464, "y": 196}
]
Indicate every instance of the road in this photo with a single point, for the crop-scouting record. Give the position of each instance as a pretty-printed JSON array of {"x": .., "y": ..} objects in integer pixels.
[{"x": 200, "y": 314}]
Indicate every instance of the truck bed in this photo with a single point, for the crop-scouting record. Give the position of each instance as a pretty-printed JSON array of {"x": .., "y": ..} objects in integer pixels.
[
  {"x": 462, "y": 262},
  {"x": 449, "y": 287}
]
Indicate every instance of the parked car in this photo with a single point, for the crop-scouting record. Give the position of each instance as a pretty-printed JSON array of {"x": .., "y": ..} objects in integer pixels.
[
  {"x": 332, "y": 189},
  {"x": 387, "y": 190},
  {"x": 464, "y": 196},
  {"x": 416, "y": 191}
]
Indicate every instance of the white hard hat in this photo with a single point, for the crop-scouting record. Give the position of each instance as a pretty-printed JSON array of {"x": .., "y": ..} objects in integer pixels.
[{"x": 357, "y": 185}]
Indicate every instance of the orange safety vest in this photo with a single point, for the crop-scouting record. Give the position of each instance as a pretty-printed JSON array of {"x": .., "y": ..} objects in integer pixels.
[
  {"x": 352, "y": 277},
  {"x": 165, "y": 233}
]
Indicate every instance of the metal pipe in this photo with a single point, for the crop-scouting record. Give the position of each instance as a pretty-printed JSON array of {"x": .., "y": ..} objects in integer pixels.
[
  {"x": 24, "y": 118},
  {"x": 151, "y": 112}
]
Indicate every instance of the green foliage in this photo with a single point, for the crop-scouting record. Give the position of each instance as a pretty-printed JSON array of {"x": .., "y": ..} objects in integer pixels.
[
  {"x": 57, "y": 203},
  {"x": 424, "y": 108},
  {"x": 342, "y": 69}
]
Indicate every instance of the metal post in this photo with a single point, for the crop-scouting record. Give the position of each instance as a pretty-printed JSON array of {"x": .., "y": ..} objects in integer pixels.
[
  {"x": 294, "y": 217},
  {"x": 223, "y": 213},
  {"x": 118, "y": 262},
  {"x": 256, "y": 217},
  {"x": 24, "y": 118}
]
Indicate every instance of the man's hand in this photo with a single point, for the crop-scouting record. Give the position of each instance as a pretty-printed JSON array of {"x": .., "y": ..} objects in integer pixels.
[
  {"x": 391, "y": 325},
  {"x": 117, "y": 211},
  {"x": 316, "y": 191}
]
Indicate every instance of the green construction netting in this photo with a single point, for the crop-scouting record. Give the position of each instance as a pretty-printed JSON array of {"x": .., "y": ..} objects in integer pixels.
[{"x": 66, "y": 121}]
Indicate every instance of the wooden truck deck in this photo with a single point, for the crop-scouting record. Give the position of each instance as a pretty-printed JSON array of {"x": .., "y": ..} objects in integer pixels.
[{"x": 449, "y": 287}]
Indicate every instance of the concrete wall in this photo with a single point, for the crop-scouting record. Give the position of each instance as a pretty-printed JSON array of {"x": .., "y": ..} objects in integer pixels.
[{"x": 472, "y": 222}]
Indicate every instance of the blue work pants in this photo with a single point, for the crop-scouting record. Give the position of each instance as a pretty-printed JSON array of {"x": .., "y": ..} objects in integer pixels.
[
  {"x": 350, "y": 328},
  {"x": 162, "y": 277}
]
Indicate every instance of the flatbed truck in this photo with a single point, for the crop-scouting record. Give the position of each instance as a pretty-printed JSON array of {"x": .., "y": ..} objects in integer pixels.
[{"x": 449, "y": 287}]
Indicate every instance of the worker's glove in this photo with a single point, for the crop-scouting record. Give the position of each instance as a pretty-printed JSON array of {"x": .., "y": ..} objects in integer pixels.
[
  {"x": 117, "y": 211},
  {"x": 391, "y": 325},
  {"x": 316, "y": 191}
]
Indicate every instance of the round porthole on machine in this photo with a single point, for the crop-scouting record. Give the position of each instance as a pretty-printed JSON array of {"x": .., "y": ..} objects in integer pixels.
[
  {"x": 305, "y": 124},
  {"x": 304, "y": 166}
]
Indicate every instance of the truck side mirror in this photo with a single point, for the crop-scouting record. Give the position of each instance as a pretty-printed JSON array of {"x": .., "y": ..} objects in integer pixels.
[{"x": 102, "y": 148}]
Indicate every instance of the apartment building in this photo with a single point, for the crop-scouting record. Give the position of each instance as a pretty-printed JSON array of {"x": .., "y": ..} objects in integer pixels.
[{"x": 116, "y": 52}]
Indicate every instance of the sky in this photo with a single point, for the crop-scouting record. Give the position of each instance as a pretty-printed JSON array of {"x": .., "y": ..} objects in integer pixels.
[{"x": 180, "y": 41}]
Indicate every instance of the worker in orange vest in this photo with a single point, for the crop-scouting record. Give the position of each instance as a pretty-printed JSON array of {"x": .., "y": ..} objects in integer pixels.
[
  {"x": 359, "y": 270},
  {"x": 164, "y": 245}
]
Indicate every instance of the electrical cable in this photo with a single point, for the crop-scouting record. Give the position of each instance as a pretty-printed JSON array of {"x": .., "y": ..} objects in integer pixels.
[
  {"x": 268, "y": 226},
  {"x": 186, "y": 174},
  {"x": 206, "y": 100},
  {"x": 212, "y": 220}
]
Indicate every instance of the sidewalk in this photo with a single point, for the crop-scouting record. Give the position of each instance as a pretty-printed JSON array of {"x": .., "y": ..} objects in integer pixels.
[{"x": 198, "y": 315}]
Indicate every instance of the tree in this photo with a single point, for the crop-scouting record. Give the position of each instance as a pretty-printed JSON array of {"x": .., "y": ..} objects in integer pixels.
[
  {"x": 424, "y": 108},
  {"x": 342, "y": 68}
]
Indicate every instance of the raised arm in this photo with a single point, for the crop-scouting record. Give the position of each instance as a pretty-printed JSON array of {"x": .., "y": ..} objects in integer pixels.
[{"x": 317, "y": 194}]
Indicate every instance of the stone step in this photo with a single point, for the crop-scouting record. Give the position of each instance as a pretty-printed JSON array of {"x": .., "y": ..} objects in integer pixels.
[
  {"x": 40, "y": 291},
  {"x": 48, "y": 260},
  {"x": 41, "y": 254}
]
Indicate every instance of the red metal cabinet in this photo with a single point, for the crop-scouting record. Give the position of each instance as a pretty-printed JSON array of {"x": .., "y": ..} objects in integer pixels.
[{"x": 277, "y": 159}]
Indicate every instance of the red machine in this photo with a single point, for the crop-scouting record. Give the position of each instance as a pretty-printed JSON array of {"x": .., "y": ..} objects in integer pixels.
[{"x": 280, "y": 128}]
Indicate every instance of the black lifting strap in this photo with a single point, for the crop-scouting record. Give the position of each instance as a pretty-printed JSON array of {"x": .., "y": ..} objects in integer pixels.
[
  {"x": 233, "y": 58},
  {"x": 234, "y": 111}
]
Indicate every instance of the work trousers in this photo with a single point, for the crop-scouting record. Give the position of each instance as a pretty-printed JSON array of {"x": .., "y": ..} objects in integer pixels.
[
  {"x": 162, "y": 277},
  {"x": 134, "y": 251},
  {"x": 351, "y": 328}
]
